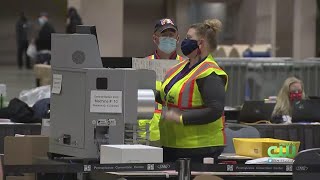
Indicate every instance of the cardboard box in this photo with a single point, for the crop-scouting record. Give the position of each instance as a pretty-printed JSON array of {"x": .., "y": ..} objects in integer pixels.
[
  {"x": 24, "y": 150},
  {"x": 43, "y": 72},
  {"x": 28, "y": 177},
  {"x": 130, "y": 154}
]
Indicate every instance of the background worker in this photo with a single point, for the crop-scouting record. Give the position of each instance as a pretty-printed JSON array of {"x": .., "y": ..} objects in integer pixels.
[
  {"x": 43, "y": 41},
  {"x": 73, "y": 20},
  {"x": 292, "y": 90},
  {"x": 193, "y": 98},
  {"x": 166, "y": 38},
  {"x": 22, "y": 30}
]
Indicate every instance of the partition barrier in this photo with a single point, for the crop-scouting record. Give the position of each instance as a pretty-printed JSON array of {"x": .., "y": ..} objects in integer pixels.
[{"x": 259, "y": 78}]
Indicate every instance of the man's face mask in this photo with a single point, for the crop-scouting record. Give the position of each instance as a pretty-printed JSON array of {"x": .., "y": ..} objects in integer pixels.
[
  {"x": 167, "y": 44},
  {"x": 295, "y": 95}
]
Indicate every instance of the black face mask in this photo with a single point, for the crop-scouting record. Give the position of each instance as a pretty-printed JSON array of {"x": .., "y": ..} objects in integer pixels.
[{"x": 188, "y": 46}]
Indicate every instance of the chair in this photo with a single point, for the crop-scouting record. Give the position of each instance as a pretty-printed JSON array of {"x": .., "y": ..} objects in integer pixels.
[
  {"x": 305, "y": 158},
  {"x": 238, "y": 131}
]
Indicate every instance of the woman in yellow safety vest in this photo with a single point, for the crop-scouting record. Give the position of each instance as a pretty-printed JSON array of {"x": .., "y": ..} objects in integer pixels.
[{"x": 193, "y": 97}]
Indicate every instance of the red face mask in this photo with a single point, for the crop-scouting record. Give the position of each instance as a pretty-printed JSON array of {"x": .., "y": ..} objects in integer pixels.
[{"x": 295, "y": 96}]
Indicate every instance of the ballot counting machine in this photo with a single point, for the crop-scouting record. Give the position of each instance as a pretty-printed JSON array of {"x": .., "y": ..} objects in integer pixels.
[{"x": 92, "y": 105}]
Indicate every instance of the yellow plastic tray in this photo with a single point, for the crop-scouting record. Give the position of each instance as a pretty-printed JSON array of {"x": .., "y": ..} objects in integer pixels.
[{"x": 265, "y": 147}]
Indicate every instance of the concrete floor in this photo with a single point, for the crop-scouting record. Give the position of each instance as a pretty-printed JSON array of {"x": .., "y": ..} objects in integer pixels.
[{"x": 16, "y": 80}]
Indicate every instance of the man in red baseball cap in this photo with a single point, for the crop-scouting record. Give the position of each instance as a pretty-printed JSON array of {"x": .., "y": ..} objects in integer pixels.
[{"x": 166, "y": 38}]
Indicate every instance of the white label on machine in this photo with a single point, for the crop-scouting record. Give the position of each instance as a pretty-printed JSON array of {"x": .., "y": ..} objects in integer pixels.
[
  {"x": 56, "y": 83},
  {"x": 106, "y": 101},
  {"x": 106, "y": 122}
]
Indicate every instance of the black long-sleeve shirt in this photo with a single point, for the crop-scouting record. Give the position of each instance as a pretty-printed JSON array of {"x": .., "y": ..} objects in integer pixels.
[
  {"x": 72, "y": 26},
  {"x": 22, "y": 28},
  {"x": 213, "y": 94},
  {"x": 43, "y": 41}
]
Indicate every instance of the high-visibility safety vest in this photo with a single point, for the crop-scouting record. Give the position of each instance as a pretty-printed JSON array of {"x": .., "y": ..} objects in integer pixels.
[
  {"x": 154, "y": 122},
  {"x": 184, "y": 95}
]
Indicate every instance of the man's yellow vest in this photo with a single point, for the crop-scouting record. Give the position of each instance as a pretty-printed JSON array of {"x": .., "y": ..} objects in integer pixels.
[
  {"x": 185, "y": 96},
  {"x": 154, "y": 122}
]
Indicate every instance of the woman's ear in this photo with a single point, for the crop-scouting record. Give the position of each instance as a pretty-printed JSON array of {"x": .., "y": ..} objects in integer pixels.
[{"x": 201, "y": 43}]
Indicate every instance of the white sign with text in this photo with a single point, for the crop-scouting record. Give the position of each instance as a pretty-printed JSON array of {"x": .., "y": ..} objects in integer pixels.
[{"x": 106, "y": 101}]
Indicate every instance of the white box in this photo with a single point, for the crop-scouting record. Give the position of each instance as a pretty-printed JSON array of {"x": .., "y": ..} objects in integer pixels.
[{"x": 113, "y": 154}]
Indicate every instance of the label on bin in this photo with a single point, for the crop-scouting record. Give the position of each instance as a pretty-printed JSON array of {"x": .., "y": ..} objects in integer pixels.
[
  {"x": 106, "y": 101},
  {"x": 282, "y": 150}
]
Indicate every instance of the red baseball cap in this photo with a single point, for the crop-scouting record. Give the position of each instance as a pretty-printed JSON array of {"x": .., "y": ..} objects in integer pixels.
[{"x": 164, "y": 24}]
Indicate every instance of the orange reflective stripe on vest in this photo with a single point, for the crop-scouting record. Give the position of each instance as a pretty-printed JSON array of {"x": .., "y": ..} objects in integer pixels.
[
  {"x": 172, "y": 70},
  {"x": 158, "y": 108},
  {"x": 186, "y": 93},
  {"x": 180, "y": 58},
  {"x": 150, "y": 57}
]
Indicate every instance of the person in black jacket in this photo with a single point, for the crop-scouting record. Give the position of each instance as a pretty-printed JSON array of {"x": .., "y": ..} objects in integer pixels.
[
  {"x": 22, "y": 28},
  {"x": 73, "y": 20},
  {"x": 43, "y": 41}
]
